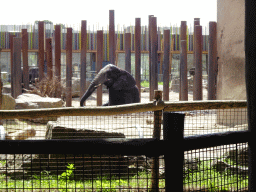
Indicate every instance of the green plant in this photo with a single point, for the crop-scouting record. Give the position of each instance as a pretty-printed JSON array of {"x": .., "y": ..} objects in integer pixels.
[{"x": 68, "y": 174}]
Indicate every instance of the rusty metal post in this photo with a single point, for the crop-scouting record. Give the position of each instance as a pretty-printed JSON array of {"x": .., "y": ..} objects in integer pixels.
[
  {"x": 25, "y": 58},
  {"x": 151, "y": 91},
  {"x": 212, "y": 58},
  {"x": 183, "y": 62},
  {"x": 127, "y": 48},
  {"x": 11, "y": 48},
  {"x": 1, "y": 87},
  {"x": 112, "y": 47},
  {"x": 166, "y": 69},
  {"x": 41, "y": 49},
  {"x": 69, "y": 67},
  {"x": 58, "y": 58},
  {"x": 49, "y": 57},
  {"x": 137, "y": 53},
  {"x": 83, "y": 58},
  {"x": 99, "y": 63},
  {"x": 17, "y": 77},
  {"x": 157, "y": 135},
  {"x": 197, "y": 89},
  {"x": 154, "y": 58},
  {"x": 183, "y": 72}
]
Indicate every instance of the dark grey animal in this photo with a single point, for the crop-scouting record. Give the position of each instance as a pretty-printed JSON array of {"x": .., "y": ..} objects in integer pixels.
[{"x": 121, "y": 85}]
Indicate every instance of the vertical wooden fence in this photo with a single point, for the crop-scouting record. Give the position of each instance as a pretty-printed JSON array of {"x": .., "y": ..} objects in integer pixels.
[{"x": 154, "y": 49}]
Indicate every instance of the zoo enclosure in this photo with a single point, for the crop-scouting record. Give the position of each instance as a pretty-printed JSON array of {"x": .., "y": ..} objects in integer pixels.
[
  {"x": 139, "y": 39},
  {"x": 132, "y": 146}
]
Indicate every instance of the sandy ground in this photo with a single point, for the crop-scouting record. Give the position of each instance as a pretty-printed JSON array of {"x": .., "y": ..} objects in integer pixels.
[{"x": 174, "y": 96}]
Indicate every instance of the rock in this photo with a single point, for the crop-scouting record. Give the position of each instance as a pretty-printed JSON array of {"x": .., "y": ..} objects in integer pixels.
[
  {"x": 222, "y": 166},
  {"x": 33, "y": 101},
  {"x": 240, "y": 155},
  {"x": 7, "y": 88},
  {"x": 22, "y": 134},
  {"x": 55, "y": 131},
  {"x": 8, "y": 102}
]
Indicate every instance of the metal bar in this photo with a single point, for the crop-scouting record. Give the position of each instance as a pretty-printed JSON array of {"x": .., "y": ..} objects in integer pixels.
[
  {"x": 173, "y": 130},
  {"x": 17, "y": 78},
  {"x": 83, "y": 58},
  {"x": 197, "y": 89},
  {"x": 69, "y": 68},
  {"x": 183, "y": 96},
  {"x": 49, "y": 57},
  {"x": 41, "y": 49},
  {"x": 25, "y": 58},
  {"x": 166, "y": 75},
  {"x": 212, "y": 60},
  {"x": 112, "y": 47},
  {"x": 138, "y": 53},
  {"x": 127, "y": 48},
  {"x": 58, "y": 58},
  {"x": 250, "y": 77},
  {"x": 216, "y": 139},
  {"x": 99, "y": 63},
  {"x": 92, "y": 146}
]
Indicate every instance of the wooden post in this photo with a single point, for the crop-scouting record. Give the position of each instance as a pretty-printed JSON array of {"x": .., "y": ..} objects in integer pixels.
[
  {"x": 1, "y": 87},
  {"x": 183, "y": 62},
  {"x": 151, "y": 90},
  {"x": 99, "y": 63},
  {"x": 83, "y": 58},
  {"x": 49, "y": 57},
  {"x": 69, "y": 68},
  {"x": 154, "y": 58},
  {"x": 58, "y": 58},
  {"x": 41, "y": 49},
  {"x": 127, "y": 48},
  {"x": 166, "y": 69},
  {"x": 212, "y": 52},
  {"x": 173, "y": 133},
  {"x": 12, "y": 74},
  {"x": 112, "y": 47},
  {"x": 250, "y": 70},
  {"x": 157, "y": 135},
  {"x": 197, "y": 90},
  {"x": 25, "y": 58},
  {"x": 137, "y": 53},
  {"x": 17, "y": 78}
]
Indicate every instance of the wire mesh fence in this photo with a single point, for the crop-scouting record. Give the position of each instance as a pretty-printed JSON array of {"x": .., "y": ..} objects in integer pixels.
[{"x": 210, "y": 169}]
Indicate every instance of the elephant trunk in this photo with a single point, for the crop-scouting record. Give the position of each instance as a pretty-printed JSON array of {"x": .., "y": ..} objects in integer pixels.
[
  {"x": 87, "y": 94},
  {"x": 98, "y": 80}
]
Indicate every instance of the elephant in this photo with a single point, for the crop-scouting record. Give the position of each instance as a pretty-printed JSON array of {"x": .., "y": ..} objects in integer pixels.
[{"x": 120, "y": 83}]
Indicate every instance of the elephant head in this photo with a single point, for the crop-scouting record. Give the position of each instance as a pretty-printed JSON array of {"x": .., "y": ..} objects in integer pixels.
[{"x": 113, "y": 77}]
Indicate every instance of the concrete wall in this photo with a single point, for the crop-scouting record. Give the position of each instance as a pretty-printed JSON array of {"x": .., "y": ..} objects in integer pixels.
[{"x": 231, "y": 57}]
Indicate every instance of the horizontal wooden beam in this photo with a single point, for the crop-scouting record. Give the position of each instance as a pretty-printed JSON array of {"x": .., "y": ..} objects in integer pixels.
[
  {"x": 216, "y": 139},
  {"x": 86, "y": 146},
  {"x": 117, "y": 51},
  {"x": 121, "y": 109}
]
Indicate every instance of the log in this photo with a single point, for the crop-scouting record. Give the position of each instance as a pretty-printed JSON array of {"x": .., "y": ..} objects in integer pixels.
[{"x": 122, "y": 109}]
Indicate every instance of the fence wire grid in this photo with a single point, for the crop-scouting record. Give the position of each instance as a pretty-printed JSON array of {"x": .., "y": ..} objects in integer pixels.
[{"x": 220, "y": 168}]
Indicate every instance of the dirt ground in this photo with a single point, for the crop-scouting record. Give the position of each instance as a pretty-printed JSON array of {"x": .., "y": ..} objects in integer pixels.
[{"x": 174, "y": 96}]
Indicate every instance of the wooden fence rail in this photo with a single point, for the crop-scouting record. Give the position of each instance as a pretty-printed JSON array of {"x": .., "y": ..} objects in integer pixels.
[{"x": 122, "y": 109}]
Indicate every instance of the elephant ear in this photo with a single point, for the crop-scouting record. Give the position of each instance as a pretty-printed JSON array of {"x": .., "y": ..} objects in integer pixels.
[{"x": 124, "y": 81}]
